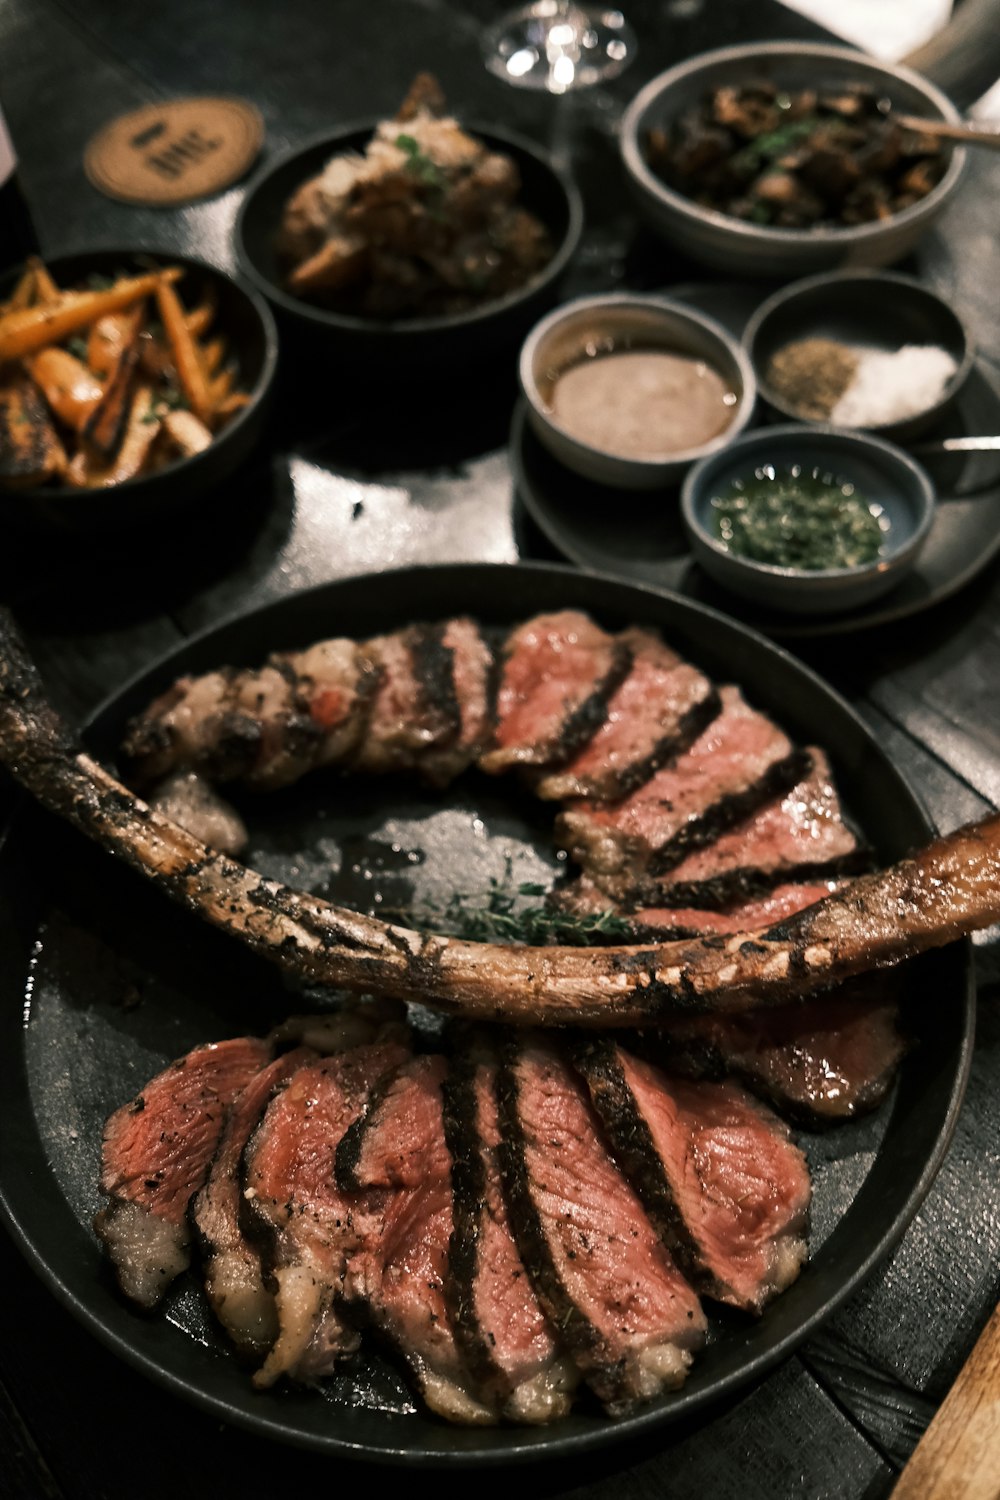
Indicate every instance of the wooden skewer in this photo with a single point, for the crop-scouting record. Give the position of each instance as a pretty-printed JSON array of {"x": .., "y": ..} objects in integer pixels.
[
  {"x": 972, "y": 132},
  {"x": 958, "y": 1457}
]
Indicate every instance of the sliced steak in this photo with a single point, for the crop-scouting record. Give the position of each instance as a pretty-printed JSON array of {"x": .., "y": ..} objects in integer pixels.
[
  {"x": 335, "y": 681},
  {"x": 156, "y": 1154},
  {"x": 399, "y": 1275},
  {"x": 818, "y": 1061},
  {"x": 741, "y": 761},
  {"x": 473, "y": 688},
  {"x": 415, "y": 710},
  {"x": 663, "y": 924},
  {"x": 234, "y": 1278},
  {"x": 800, "y": 836},
  {"x": 718, "y": 1174},
  {"x": 265, "y": 727},
  {"x": 505, "y": 1337},
  {"x": 600, "y": 1269},
  {"x": 582, "y": 897},
  {"x": 557, "y": 674},
  {"x": 661, "y": 708},
  {"x": 305, "y": 1224}
]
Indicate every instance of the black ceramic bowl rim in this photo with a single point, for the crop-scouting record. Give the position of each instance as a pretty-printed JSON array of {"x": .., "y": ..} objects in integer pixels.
[
  {"x": 847, "y": 437},
  {"x": 322, "y": 317},
  {"x": 786, "y": 296},
  {"x": 53, "y": 493},
  {"x": 833, "y": 234}
]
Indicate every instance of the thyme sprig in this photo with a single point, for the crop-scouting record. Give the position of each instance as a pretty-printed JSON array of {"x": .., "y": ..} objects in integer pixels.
[{"x": 505, "y": 914}]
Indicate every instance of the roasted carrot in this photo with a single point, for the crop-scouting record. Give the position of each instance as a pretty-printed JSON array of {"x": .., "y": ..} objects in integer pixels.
[
  {"x": 141, "y": 430},
  {"x": 31, "y": 328},
  {"x": 199, "y": 320},
  {"x": 45, "y": 288},
  {"x": 187, "y": 356},
  {"x": 71, "y": 389}
]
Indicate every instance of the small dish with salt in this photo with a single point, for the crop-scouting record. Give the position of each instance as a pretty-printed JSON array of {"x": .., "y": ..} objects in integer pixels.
[{"x": 869, "y": 350}]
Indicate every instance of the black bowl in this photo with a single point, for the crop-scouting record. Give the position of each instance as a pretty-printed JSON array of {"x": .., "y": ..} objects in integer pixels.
[
  {"x": 247, "y": 323},
  {"x": 880, "y": 310},
  {"x": 407, "y": 344}
]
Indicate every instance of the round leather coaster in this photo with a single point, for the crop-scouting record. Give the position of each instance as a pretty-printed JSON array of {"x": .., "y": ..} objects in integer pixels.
[{"x": 175, "y": 152}]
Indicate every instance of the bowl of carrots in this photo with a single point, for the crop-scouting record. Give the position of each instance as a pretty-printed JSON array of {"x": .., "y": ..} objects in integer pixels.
[{"x": 131, "y": 385}]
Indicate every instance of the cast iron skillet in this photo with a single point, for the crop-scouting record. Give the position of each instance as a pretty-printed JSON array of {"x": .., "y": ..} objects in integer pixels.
[{"x": 104, "y": 982}]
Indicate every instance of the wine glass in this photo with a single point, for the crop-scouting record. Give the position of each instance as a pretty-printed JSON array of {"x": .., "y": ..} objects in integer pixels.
[{"x": 558, "y": 46}]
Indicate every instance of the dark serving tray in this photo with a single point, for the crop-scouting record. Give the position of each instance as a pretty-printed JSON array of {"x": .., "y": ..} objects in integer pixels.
[
  {"x": 104, "y": 983},
  {"x": 639, "y": 536}
]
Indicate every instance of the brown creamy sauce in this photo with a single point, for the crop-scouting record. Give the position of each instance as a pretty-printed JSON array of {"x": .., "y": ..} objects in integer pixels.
[{"x": 641, "y": 403}]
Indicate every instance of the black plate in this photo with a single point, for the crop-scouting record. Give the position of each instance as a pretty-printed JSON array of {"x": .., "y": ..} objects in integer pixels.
[
  {"x": 640, "y": 536},
  {"x": 104, "y": 982}
]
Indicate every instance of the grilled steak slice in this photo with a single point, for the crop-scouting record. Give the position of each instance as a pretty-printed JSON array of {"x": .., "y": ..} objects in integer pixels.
[
  {"x": 499, "y": 1325},
  {"x": 740, "y": 762},
  {"x": 415, "y": 709},
  {"x": 156, "y": 1153},
  {"x": 661, "y": 708},
  {"x": 305, "y": 1222},
  {"x": 667, "y": 923},
  {"x": 818, "y": 1061},
  {"x": 719, "y": 1175},
  {"x": 600, "y": 1269},
  {"x": 799, "y": 837},
  {"x": 266, "y": 727},
  {"x": 399, "y": 1274},
  {"x": 334, "y": 683},
  {"x": 473, "y": 690},
  {"x": 558, "y": 672},
  {"x": 234, "y": 1279}
]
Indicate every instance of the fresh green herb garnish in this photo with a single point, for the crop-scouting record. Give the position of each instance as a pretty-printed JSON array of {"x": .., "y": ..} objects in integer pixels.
[
  {"x": 505, "y": 915},
  {"x": 796, "y": 519},
  {"x": 766, "y": 148},
  {"x": 419, "y": 163},
  {"x": 77, "y": 346}
]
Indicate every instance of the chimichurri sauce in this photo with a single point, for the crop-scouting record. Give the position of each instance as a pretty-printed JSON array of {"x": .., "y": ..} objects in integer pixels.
[{"x": 799, "y": 518}]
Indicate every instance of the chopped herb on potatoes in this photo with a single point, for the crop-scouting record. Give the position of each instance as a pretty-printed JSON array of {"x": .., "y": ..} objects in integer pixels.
[{"x": 108, "y": 381}]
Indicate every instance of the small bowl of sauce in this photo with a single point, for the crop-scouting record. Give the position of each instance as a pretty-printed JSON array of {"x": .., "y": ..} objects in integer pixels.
[
  {"x": 808, "y": 520},
  {"x": 630, "y": 391}
]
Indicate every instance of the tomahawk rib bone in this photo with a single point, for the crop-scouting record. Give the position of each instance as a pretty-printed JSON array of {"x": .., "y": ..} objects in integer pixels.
[{"x": 945, "y": 891}]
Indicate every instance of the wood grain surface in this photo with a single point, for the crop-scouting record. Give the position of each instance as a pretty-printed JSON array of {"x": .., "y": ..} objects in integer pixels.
[{"x": 958, "y": 1457}]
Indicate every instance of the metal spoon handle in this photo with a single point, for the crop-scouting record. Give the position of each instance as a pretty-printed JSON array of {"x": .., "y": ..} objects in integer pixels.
[{"x": 957, "y": 445}]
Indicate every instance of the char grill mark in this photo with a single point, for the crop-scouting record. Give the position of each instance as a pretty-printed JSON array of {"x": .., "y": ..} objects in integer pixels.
[
  {"x": 156, "y": 1154},
  {"x": 557, "y": 673},
  {"x": 414, "y": 710},
  {"x": 305, "y": 1224},
  {"x": 718, "y": 1175},
  {"x": 500, "y": 1327},
  {"x": 661, "y": 707},
  {"x": 672, "y": 924},
  {"x": 818, "y": 1061},
  {"x": 600, "y": 1270},
  {"x": 398, "y": 1273},
  {"x": 234, "y": 1279},
  {"x": 468, "y": 686},
  {"x": 795, "y": 838},
  {"x": 738, "y": 764}
]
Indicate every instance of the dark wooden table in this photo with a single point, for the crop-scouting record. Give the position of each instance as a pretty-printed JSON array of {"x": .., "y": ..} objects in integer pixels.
[{"x": 841, "y": 1417}]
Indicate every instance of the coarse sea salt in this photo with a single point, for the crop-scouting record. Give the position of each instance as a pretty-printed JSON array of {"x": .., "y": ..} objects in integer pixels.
[{"x": 889, "y": 387}]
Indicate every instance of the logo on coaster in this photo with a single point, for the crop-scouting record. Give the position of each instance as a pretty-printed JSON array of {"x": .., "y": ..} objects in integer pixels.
[{"x": 175, "y": 152}]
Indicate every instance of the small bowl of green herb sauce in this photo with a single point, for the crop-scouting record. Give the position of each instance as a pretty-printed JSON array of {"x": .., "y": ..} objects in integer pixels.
[{"x": 807, "y": 520}]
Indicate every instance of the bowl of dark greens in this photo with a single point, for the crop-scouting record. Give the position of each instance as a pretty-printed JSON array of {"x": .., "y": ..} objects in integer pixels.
[
  {"x": 808, "y": 520},
  {"x": 785, "y": 158}
]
